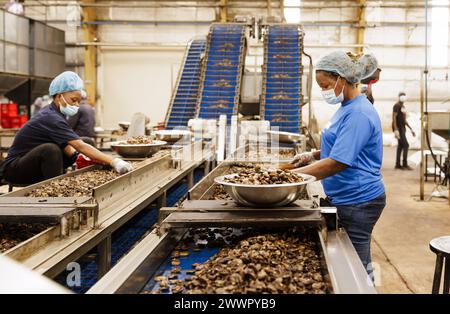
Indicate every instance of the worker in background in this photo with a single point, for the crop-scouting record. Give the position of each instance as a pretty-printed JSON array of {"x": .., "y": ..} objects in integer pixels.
[
  {"x": 46, "y": 144},
  {"x": 349, "y": 161},
  {"x": 83, "y": 122},
  {"x": 399, "y": 124},
  {"x": 38, "y": 104},
  {"x": 368, "y": 82}
]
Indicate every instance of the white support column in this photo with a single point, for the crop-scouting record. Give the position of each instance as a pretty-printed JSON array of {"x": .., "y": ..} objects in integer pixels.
[{"x": 222, "y": 135}]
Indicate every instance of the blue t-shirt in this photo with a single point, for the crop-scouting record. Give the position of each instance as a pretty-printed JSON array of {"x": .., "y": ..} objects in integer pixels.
[
  {"x": 354, "y": 137},
  {"x": 49, "y": 125}
]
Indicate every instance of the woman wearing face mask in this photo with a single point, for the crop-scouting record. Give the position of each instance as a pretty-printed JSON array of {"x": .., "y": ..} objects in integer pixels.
[
  {"x": 46, "y": 145},
  {"x": 349, "y": 162}
]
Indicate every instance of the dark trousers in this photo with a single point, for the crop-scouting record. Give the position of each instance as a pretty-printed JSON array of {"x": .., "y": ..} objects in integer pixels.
[
  {"x": 41, "y": 163},
  {"x": 403, "y": 146},
  {"x": 358, "y": 221}
]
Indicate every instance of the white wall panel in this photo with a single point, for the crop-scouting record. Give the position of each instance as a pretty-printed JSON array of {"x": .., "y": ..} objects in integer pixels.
[{"x": 136, "y": 80}]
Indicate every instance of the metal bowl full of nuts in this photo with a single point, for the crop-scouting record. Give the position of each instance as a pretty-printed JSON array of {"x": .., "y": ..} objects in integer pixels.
[
  {"x": 137, "y": 147},
  {"x": 265, "y": 187}
]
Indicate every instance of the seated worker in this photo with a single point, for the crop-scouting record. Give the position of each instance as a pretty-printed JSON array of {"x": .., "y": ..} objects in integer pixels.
[
  {"x": 46, "y": 144},
  {"x": 83, "y": 122}
]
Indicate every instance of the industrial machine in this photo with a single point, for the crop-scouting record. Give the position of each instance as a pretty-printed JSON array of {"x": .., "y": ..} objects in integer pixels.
[
  {"x": 224, "y": 82},
  {"x": 207, "y": 96},
  {"x": 438, "y": 122},
  {"x": 183, "y": 103},
  {"x": 71, "y": 226},
  {"x": 139, "y": 270},
  {"x": 221, "y": 75},
  {"x": 282, "y": 97}
]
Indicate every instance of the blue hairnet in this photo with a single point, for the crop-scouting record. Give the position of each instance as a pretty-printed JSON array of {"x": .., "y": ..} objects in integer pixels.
[
  {"x": 352, "y": 71},
  {"x": 67, "y": 81}
]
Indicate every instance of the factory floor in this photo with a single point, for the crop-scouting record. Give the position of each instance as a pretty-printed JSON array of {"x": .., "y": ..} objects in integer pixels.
[
  {"x": 403, "y": 261},
  {"x": 400, "y": 248}
]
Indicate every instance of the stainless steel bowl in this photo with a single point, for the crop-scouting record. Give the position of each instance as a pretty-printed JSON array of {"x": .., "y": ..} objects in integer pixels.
[
  {"x": 173, "y": 136},
  {"x": 270, "y": 195},
  {"x": 286, "y": 137},
  {"x": 137, "y": 151}
]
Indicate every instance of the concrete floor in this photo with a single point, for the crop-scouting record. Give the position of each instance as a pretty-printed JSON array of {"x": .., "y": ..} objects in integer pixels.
[{"x": 401, "y": 236}]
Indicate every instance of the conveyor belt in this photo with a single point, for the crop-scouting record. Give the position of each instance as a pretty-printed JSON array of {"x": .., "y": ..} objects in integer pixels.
[
  {"x": 282, "y": 77},
  {"x": 185, "y": 266},
  {"x": 184, "y": 100},
  {"x": 151, "y": 257},
  {"x": 126, "y": 237},
  {"x": 221, "y": 76}
]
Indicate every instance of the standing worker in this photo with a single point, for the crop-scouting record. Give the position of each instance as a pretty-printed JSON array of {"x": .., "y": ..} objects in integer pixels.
[
  {"x": 399, "y": 124},
  {"x": 46, "y": 144},
  {"x": 83, "y": 122},
  {"x": 38, "y": 104},
  {"x": 349, "y": 162}
]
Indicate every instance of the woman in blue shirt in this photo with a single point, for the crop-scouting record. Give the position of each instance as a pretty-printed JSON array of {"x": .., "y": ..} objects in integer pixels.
[{"x": 350, "y": 157}]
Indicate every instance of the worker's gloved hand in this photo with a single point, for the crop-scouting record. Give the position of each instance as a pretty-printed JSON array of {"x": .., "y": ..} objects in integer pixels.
[
  {"x": 302, "y": 159},
  {"x": 121, "y": 166},
  {"x": 397, "y": 134}
]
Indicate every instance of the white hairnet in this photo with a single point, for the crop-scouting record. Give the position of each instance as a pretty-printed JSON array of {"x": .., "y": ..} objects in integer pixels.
[{"x": 352, "y": 70}]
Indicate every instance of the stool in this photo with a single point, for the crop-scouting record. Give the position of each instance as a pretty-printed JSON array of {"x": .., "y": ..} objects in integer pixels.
[{"x": 441, "y": 247}]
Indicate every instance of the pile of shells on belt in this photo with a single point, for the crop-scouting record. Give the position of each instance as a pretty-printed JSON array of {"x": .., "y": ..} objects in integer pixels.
[
  {"x": 250, "y": 261},
  {"x": 262, "y": 176},
  {"x": 139, "y": 140},
  {"x": 13, "y": 234},
  {"x": 73, "y": 186}
]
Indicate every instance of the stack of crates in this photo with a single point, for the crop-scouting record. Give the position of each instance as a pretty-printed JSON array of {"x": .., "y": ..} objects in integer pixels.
[
  {"x": 10, "y": 117},
  {"x": 184, "y": 100},
  {"x": 282, "y": 97},
  {"x": 222, "y": 73}
]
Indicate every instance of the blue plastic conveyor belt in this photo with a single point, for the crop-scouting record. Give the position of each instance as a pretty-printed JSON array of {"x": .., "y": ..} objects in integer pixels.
[
  {"x": 282, "y": 77},
  {"x": 184, "y": 101},
  {"x": 126, "y": 237},
  {"x": 222, "y": 72}
]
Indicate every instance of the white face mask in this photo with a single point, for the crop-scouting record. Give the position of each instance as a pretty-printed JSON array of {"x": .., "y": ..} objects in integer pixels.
[
  {"x": 68, "y": 110},
  {"x": 403, "y": 98},
  {"x": 330, "y": 97}
]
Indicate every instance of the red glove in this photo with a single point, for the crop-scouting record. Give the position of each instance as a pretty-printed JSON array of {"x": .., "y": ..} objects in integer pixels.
[{"x": 84, "y": 161}]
